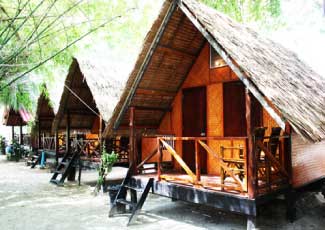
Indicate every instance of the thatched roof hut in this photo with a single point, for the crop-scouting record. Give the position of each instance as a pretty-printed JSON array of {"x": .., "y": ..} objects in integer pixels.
[
  {"x": 44, "y": 110},
  {"x": 90, "y": 90},
  {"x": 16, "y": 118},
  {"x": 274, "y": 74}
]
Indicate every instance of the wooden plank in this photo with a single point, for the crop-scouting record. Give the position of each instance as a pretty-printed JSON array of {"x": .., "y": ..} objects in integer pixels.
[
  {"x": 197, "y": 162},
  {"x": 178, "y": 159}
]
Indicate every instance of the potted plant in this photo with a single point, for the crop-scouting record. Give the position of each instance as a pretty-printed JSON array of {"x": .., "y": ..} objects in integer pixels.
[{"x": 107, "y": 162}]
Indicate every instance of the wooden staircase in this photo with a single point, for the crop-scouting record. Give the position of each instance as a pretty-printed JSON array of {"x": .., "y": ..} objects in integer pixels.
[
  {"x": 134, "y": 204},
  {"x": 34, "y": 160},
  {"x": 64, "y": 168}
]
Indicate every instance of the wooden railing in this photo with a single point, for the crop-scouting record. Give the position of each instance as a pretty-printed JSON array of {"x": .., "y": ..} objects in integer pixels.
[
  {"x": 237, "y": 171},
  {"x": 271, "y": 158},
  {"x": 88, "y": 148},
  {"x": 48, "y": 143}
]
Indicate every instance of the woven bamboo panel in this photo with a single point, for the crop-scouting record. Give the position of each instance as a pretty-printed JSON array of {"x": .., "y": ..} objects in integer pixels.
[
  {"x": 166, "y": 124},
  {"x": 199, "y": 74},
  {"x": 308, "y": 161},
  {"x": 215, "y": 110},
  {"x": 268, "y": 122},
  {"x": 148, "y": 145}
]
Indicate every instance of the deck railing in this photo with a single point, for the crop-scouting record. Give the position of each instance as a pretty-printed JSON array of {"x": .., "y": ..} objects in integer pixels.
[
  {"x": 271, "y": 159},
  {"x": 233, "y": 167}
]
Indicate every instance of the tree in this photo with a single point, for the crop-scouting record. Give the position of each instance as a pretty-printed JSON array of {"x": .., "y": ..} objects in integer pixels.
[
  {"x": 37, "y": 36},
  {"x": 247, "y": 10}
]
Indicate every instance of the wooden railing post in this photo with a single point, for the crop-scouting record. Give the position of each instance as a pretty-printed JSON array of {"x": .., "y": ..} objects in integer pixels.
[
  {"x": 159, "y": 160},
  {"x": 251, "y": 163},
  {"x": 133, "y": 158},
  {"x": 197, "y": 162}
]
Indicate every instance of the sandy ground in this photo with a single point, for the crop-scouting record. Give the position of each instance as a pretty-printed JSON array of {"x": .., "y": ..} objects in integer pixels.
[{"x": 29, "y": 201}]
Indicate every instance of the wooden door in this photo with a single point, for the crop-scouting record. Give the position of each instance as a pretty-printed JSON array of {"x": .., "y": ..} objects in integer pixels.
[
  {"x": 256, "y": 113},
  {"x": 194, "y": 124},
  {"x": 234, "y": 109}
]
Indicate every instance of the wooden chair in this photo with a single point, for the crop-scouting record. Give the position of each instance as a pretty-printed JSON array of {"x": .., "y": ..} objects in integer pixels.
[{"x": 235, "y": 164}]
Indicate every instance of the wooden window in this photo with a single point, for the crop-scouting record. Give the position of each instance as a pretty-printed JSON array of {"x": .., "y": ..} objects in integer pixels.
[{"x": 216, "y": 60}]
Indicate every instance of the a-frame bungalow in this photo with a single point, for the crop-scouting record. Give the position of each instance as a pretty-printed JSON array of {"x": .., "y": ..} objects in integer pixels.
[
  {"x": 91, "y": 91},
  {"x": 18, "y": 118},
  {"x": 227, "y": 117},
  {"x": 45, "y": 141}
]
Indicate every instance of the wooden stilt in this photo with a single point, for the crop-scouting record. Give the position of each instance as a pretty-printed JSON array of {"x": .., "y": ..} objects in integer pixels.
[
  {"x": 39, "y": 135},
  {"x": 251, "y": 223},
  {"x": 72, "y": 174},
  {"x": 290, "y": 197},
  {"x": 56, "y": 148},
  {"x": 21, "y": 141},
  {"x": 100, "y": 134},
  {"x": 12, "y": 134}
]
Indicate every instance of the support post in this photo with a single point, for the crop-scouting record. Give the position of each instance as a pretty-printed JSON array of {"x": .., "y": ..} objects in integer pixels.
[
  {"x": 67, "y": 134},
  {"x": 251, "y": 223},
  {"x": 39, "y": 135},
  {"x": 72, "y": 175},
  {"x": 21, "y": 141},
  {"x": 12, "y": 134},
  {"x": 290, "y": 198},
  {"x": 197, "y": 162},
  {"x": 251, "y": 162},
  {"x": 56, "y": 139},
  {"x": 100, "y": 134},
  {"x": 159, "y": 160},
  {"x": 133, "y": 158}
]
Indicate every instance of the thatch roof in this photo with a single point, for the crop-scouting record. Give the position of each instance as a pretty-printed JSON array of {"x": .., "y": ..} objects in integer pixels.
[
  {"x": 44, "y": 110},
  {"x": 16, "y": 118},
  {"x": 91, "y": 89},
  {"x": 291, "y": 86}
]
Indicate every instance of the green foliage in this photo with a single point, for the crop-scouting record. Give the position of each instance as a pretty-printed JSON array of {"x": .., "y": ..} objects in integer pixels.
[
  {"x": 16, "y": 152},
  {"x": 37, "y": 36},
  {"x": 247, "y": 10},
  {"x": 107, "y": 162}
]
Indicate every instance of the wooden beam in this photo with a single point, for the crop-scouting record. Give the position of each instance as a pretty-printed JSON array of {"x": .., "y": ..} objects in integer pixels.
[
  {"x": 250, "y": 156},
  {"x": 173, "y": 50},
  {"x": 155, "y": 92},
  {"x": 145, "y": 63},
  {"x": 240, "y": 73},
  {"x": 152, "y": 108}
]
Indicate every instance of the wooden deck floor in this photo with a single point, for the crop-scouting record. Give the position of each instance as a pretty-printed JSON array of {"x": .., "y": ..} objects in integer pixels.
[
  {"x": 209, "y": 182},
  {"x": 179, "y": 189}
]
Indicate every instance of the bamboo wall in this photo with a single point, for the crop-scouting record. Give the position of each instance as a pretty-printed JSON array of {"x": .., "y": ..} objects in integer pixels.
[
  {"x": 202, "y": 75},
  {"x": 308, "y": 161}
]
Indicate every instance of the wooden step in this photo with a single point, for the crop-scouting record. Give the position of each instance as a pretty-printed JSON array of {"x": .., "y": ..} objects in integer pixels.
[
  {"x": 133, "y": 188},
  {"x": 126, "y": 202}
]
